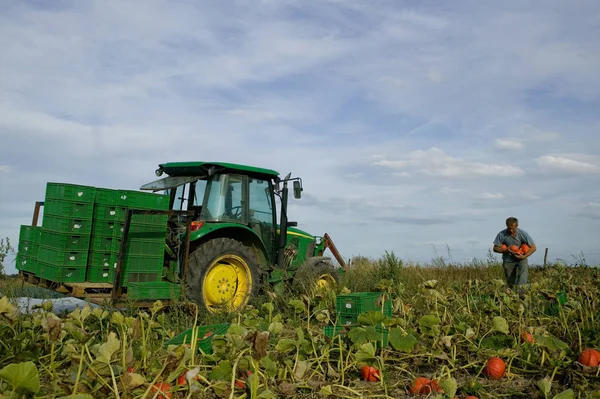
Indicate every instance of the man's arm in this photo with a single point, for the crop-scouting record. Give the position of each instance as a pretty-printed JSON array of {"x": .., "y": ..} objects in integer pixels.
[{"x": 497, "y": 244}]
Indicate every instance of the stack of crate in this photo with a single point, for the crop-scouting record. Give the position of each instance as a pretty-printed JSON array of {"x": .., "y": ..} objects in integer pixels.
[
  {"x": 350, "y": 306},
  {"x": 27, "y": 255},
  {"x": 144, "y": 253},
  {"x": 65, "y": 233}
]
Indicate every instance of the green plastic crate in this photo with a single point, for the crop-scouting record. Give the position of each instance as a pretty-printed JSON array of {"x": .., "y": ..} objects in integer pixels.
[
  {"x": 140, "y": 277},
  {"x": 106, "y": 196},
  {"x": 137, "y": 247},
  {"x": 67, "y": 225},
  {"x": 105, "y": 212},
  {"x": 105, "y": 244},
  {"x": 27, "y": 263},
  {"x": 102, "y": 259},
  {"x": 141, "y": 218},
  {"x": 65, "y": 241},
  {"x": 28, "y": 248},
  {"x": 61, "y": 274},
  {"x": 107, "y": 228},
  {"x": 143, "y": 263},
  {"x": 58, "y": 257},
  {"x": 101, "y": 275},
  {"x": 142, "y": 200},
  {"x": 153, "y": 290},
  {"x": 66, "y": 209},
  {"x": 360, "y": 302},
  {"x": 333, "y": 331},
  {"x": 69, "y": 192},
  {"x": 204, "y": 336},
  {"x": 30, "y": 233}
]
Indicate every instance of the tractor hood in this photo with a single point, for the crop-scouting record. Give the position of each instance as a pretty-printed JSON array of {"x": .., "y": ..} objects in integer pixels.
[{"x": 301, "y": 233}]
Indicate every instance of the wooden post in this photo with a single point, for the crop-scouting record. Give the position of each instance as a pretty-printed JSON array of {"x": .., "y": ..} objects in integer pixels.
[{"x": 545, "y": 257}]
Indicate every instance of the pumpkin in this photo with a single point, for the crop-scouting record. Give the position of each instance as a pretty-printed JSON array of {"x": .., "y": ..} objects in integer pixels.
[
  {"x": 370, "y": 373},
  {"x": 527, "y": 337},
  {"x": 471, "y": 397},
  {"x": 525, "y": 248},
  {"x": 589, "y": 357},
  {"x": 514, "y": 248},
  {"x": 163, "y": 389},
  {"x": 420, "y": 386},
  {"x": 494, "y": 368},
  {"x": 503, "y": 247}
]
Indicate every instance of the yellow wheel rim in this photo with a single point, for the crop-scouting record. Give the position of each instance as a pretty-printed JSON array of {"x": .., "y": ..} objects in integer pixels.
[{"x": 227, "y": 284}]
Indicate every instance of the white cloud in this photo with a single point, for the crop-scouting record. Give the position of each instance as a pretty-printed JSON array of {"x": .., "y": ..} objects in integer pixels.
[
  {"x": 5, "y": 169},
  {"x": 510, "y": 145},
  {"x": 435, "y": 162},
  {"x": 550, "y": 163},
  {"x": 492, "y": 196}
]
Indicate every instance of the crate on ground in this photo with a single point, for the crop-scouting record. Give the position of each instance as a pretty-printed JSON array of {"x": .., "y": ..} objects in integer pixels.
[
  {"x": 333, "y": 331},
  {"x": 62, "y": 258},
  {"x": 69, "y": 192},
  {"x": 67, "y": 209},
  {"x": 360, "y": 302},
  {"x": 143, "y": 264},
  {"x": 61, "y": 274},
  {"x": 65, "y": 241},
  {"x": 154, "y": 290},
  {"x": 30, "y": 233},
  {"x": 67, "y": 225},
  {"x": 203, "y": 335},
  {"x": 101, "y": 275},
  {"x": 26, "y": 263}
]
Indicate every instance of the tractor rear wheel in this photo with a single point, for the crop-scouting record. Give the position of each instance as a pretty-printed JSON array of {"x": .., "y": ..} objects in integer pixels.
[
  {"x": 222, "y": 275},
  {"x": 315, "y": 274}
]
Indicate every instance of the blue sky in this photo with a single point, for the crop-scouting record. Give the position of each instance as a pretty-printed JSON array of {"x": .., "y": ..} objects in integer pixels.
[{"x": 414, "y": 125}]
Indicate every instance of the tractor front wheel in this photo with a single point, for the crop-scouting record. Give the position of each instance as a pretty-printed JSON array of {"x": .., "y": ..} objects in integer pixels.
[
  {"x": 222, "y": 275},
  {"x": 316, "y": 273}
]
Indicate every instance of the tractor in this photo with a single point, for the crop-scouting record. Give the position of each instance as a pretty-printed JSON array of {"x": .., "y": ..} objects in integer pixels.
[
  {"x": 235, "y": 240},
  {"x": 218, "y": 241}
]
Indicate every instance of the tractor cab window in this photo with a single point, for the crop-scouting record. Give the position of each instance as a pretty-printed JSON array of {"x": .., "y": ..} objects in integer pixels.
[
  {"x": 261, "y": 209},
  {"x": 184, "y": 192},
  {"x": 225, "y": 199}
]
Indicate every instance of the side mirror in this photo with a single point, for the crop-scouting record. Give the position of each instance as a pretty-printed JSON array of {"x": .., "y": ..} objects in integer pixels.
[{"x": 297, "y": 189}]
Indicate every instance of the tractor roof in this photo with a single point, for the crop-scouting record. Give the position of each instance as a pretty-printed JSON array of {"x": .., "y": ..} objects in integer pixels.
[{"x": 199, "y": 168}]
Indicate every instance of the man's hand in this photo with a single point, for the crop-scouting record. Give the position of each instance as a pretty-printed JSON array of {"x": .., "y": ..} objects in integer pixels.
[{"x": 518, "y": 255}]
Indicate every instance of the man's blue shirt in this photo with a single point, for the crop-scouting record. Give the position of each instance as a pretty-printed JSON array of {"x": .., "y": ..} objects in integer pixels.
[{"x": 505, "y": 238}]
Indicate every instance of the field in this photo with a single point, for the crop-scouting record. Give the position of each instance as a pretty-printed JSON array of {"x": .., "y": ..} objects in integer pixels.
[{"x": 447, "y": 322}]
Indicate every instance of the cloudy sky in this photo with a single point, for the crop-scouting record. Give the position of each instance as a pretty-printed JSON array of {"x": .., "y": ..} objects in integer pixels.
[{"x": 416, "y": 126}]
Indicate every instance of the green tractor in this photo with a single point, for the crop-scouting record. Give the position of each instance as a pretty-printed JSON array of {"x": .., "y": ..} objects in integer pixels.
[
  {"x": 208, "y": 230},
  {"x": 232, "y": 241}
]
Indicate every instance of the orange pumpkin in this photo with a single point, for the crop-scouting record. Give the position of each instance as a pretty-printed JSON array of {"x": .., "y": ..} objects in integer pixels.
[
  {"x": 420, "y": 386},
  {"x": 589, "y": 357},
  {"x": 514, "y": 248},
  {"x": 525, "y": 248},
  {"x": 494, "y": 368},
  {"x": 503, "y": 247},
  {"x": 370, "y": 373},
  {"x": 527, "y": 337},
  {"x": 163, "y": 388},
  {"x": 471, "y": 397}
]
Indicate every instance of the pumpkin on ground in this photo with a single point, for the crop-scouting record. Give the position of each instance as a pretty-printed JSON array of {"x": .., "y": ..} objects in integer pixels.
[
  {"x": 589, "y": 357},
  {"x": 494, "y": 368},
  {"x": 527, "y": 337},
  {"x": 370, "y": 373}
]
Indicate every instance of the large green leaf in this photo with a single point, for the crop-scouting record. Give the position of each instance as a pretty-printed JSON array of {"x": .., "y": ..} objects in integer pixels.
[
  {"x": 221, "y": 372},
  {"x": 449, "y": 386},
  {"x": 269, "y": 365},
  {"x": 8, "y": 310},
  {"x": 286, "y": 345},
  {"x": 371, "y": 318},
  {"x": 360, "y": 335},
  {"x": 500, "y": 324},
  {"x": 545, "y": 386},
  {"x": 429, "y": 324},
  {"x": 298, "y": 305},
  {"x": 550, "y": 343},
  {"x": 366, "y": 354},
  {"x": 23, "y": 377},
  {"x": 108, "y": 349},
  {"x": 568, "y": 394},
  {"x": 401, "y": 342},
  {"x": 497, "y": 342}
]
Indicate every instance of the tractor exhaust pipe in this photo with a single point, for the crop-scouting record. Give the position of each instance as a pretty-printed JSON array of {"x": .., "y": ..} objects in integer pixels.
[{"x": 283, "y": 225}]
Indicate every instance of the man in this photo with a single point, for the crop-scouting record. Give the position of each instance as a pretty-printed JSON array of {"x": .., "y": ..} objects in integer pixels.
[{"x": 515, "y": 264}]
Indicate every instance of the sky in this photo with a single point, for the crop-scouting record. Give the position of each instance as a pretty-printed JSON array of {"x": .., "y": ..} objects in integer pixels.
[{"x": 416, "y": 127}]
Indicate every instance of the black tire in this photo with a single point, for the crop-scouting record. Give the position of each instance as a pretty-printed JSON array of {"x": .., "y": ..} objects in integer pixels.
[
  {"x": 307, "y": 275},
  {"x": 202, "y": 265}
]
